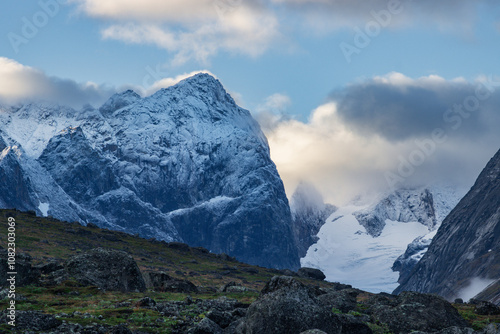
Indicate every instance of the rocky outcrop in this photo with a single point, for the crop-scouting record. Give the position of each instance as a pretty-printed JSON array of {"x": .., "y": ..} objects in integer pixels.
[
  {"x": 309, "y": 213},
  {"x": 467, "y": 245},
  {"x": 185, "y": 164},
  {"x": 403, "y": 206},
  {"x": 107, "y": 269},
  {"x": 411, "y": 311},
  {"x": 160, "y": 281},
  {"x": 287, "y": 306},
  {"x": 311, "y": 273}
]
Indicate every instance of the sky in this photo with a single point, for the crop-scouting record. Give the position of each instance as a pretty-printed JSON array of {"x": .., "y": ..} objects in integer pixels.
[{"x": 354, "y": 96}]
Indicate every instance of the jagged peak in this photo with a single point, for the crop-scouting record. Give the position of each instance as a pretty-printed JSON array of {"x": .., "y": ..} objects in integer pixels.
[
  {"x": 202, "y": 85},
  {"x": 119, "y": 100}
]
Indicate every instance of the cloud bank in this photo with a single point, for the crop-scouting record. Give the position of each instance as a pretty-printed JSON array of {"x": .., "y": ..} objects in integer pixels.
[
  {"x": 389, "y": 132},
  {"x": 20, "y": 83}
]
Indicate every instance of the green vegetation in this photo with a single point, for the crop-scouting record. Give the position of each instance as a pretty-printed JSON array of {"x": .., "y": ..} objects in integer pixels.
[
  {"x": 336, "y": 311},
  {"x": 478, "y": 322}
]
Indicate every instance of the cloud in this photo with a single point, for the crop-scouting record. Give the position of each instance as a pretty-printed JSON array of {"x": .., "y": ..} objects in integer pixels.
[
  {"x": 397, "y": 107},
  {"x": 384, "y": 128},
  {"x": 200, "y": 29},
  {"x": 273, "y": 110},
  {"x": 20, "y": 83},
  {"x": 335, "y": 14},
  {"x": 190, "y": 29}
]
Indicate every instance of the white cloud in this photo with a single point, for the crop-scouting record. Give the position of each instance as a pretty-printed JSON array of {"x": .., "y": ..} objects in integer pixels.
[
  {"x": 346, "y": 149},
  {"x": 190, "y": 29},
  {"x": 19, "y": 82}
]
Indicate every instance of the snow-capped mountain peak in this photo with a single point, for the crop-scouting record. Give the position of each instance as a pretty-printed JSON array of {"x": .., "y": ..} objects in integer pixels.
[{"x": 185, "y": 163}]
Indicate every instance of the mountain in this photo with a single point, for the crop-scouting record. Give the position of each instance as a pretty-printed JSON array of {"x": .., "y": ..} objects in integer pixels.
[
  {"x": 360, "y": 243},
  {"x": 465, "y": 253},
  {"x": 309, "y": 213},
  {"x": 185, "y": 164}
]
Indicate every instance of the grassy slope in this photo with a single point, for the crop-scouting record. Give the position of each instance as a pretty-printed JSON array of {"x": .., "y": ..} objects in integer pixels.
[{"x": 45, "y": 238}]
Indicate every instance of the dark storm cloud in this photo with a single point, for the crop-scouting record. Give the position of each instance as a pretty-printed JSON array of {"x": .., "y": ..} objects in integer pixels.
[{"x": 400, "y": 110}]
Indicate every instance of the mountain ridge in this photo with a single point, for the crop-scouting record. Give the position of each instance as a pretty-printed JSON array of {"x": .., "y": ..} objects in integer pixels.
[
  {"x": 187, "y": 162},
  {"x": 467, "y": 244}
]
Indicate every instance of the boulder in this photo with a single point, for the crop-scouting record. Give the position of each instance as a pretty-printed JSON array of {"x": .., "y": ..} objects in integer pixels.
[
  {"x": 311, "y": 273},
  {"x": 234, "y": 287},
  {"x": 146, "y": 302},
  {"x": 287, "y": 306},
  {"x": 49, "y": 267},
  {"x": 412, "y": 311},
  {"x": 486, "y": 308},
  {"x": 343, "y": 300},
  {"x": 107, "y": 269},
  {"x": 206, "y": 326},
  {"x": 161, "y": 281}
]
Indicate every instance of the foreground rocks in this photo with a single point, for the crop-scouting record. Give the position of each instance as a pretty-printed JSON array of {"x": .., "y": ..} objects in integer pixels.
[
  {"x": 288, "y": 306},
  {"x": 107, "y": 269},
  {"x": 285, "y": 305},
  {"x": 411, "y": 311}
]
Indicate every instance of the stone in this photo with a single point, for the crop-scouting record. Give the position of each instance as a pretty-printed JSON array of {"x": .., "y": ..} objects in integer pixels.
[
  {"x": 109, "y": 270},
  {"x": 311, "y": 273}
]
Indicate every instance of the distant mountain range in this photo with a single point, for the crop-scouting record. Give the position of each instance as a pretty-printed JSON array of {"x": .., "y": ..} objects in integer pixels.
[{"x": 367, "y": 242}]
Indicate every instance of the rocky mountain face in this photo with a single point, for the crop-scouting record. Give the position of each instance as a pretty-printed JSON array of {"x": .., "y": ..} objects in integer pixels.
[
  {"x": 467, "y": 245},
  {"x": 309, "y": 213},
  {"x": 185, "y": 164},
  {"x": 368, "y": 244},
  {"x": 405, "y": 205}
]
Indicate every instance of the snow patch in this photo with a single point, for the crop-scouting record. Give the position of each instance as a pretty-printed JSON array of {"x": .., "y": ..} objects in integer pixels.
[
  {"x": 44, "y": 208},
  {"x": 347, "y": 255}
]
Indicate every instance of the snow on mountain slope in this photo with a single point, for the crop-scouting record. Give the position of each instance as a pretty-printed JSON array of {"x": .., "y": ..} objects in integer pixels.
[
  {"x": 347, "y": 252},
  {"x": 184, "y": 164}
]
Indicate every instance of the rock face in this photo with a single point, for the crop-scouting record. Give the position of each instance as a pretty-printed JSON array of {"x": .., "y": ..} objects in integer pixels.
[
  {"x": 185, "y": 164},
  {"x": 467, "y": 245},
  {"x": 403, "y": 206},
  {"x": 491, "y": 293},
  {"x": 107, "y": 269},
  {"x": 309, "y": 213}
]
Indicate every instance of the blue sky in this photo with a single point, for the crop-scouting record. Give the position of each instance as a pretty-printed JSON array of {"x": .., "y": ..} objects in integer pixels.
[{"x": 281, "y": 59}]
